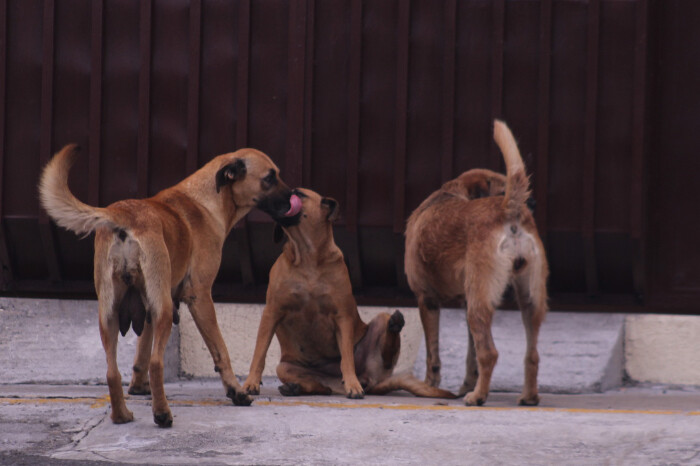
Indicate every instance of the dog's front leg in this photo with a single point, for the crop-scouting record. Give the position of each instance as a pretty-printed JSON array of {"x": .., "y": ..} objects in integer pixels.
[
  {"x": 204, "y": 315},
  {"x": 266, "y": 330},
  {"x": 345, "y": 337}
]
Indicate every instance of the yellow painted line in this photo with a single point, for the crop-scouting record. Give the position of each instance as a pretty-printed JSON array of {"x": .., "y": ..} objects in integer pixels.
[
  {"x": 406, "y": 407},
  {"x": 104, "y": 401}
]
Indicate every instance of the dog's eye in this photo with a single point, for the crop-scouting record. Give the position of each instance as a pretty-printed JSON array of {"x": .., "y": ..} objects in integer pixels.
[{"x": 270, "y": 179}]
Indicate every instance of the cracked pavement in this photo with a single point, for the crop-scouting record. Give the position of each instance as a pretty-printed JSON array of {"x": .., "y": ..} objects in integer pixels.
[{"x": 68, "y": 424}]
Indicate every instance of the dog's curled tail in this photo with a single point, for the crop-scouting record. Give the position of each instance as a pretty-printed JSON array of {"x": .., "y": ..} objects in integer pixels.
[
  {"x": 62, "y": 206},
  {"x": 406, "y": 381},
  {"x": 517, "y": 181}
]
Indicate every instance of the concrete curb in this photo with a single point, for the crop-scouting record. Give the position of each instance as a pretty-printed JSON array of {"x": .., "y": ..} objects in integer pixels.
[{"x": 57, "y": 341}]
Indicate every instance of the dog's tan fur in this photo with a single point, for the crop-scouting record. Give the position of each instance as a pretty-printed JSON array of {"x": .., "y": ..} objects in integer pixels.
[
  {"x": 150, "y": 254},
  {"x": 311, "y": 309},
  {"x": 473, "y": 247}
]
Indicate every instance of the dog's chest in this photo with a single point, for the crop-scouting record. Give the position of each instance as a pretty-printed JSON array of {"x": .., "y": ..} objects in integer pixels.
[{"x": 308, "y": 296}]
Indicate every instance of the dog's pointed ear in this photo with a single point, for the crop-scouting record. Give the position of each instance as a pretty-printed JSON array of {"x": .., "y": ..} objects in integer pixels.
[
  {"x": 279, "y": 233},
  {"x": 332, "y": 206},
  {"x": 229, "y": 173}
]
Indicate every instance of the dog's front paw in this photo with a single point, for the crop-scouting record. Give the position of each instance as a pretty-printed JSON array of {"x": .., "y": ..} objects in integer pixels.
[
  {"x": 164, "y": 419},
  {"x": 239, "y": 398},
  {"x": 251, "y": 388},
  {"x": 355, "y": 391},
  {"x": 472, "y": 399},
  {"x": 530, "y": 400},
  {"x": 290, "y": 389}
]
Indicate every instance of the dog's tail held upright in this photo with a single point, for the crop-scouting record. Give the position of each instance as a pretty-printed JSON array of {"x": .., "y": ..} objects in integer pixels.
[
  {"x": 517, "y": 181},
  {"x": 406, "y": 381},
  {"x": 63, "y": 207}
]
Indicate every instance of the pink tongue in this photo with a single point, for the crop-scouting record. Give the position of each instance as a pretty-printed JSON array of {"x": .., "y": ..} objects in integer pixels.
[{"x": 294, "y": 206}]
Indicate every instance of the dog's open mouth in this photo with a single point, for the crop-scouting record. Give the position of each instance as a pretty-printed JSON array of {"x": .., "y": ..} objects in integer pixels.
[{"x": 294, "y": 206}]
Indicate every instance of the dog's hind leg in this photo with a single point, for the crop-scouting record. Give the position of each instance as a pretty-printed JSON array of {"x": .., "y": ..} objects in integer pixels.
[
  {"x": 139, "y": 379},
  {"x": 533, "y": 307},
  {"x": 109, "y": 333},
  {"x": 472, "y": 373},
  {"x": 430, "y": 318},
  {"x": 162, "y": 325},
  {"x": 298, "y": 380},
  {"x": 479, "y": 317}
]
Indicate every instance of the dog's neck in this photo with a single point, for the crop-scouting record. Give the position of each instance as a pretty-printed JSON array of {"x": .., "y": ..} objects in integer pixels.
[
  {"x": 301, "y": 250},
  {"x": 201, "y": 189}
]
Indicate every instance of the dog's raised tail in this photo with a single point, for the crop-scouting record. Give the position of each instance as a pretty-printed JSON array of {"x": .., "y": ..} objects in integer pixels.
[
  {"x": 62, "y": 206},
  {"x": 408, "y": 382},
  {"x": 517, "y": 181}
]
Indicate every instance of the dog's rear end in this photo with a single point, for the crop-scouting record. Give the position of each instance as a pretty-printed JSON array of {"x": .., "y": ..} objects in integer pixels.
[{"x": 473, "y": 249}]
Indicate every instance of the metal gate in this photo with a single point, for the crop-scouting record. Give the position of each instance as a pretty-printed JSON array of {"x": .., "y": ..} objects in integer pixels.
[{"x": 375, "y": 103}]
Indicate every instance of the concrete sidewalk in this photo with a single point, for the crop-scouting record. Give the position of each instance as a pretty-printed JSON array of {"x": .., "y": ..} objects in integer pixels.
[
  {"x": 66, "y": 424},
  {"x": 54, "y": 408}
]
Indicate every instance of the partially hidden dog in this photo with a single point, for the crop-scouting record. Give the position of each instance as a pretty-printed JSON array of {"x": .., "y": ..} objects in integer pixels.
[
  {"x": 151, "y": 254},
  {"x": 466, "y": 241},
  {"x": 311, "y": 309}
]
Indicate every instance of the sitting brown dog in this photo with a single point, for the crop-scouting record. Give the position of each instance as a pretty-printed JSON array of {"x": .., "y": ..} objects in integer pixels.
[
  {"x": 150, "y": 254},
  {"x": 311, "y": 309},
  {"x": 462, "y": 245}
]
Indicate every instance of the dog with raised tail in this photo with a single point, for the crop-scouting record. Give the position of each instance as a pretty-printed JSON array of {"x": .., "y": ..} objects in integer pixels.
[
  {"x": 462, "y": 245},
  {"x": 151, "y": 254}
]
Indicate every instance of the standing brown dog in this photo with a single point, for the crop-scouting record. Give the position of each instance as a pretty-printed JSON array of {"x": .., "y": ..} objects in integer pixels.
[
  {"x": 457, "y": 247},
  {"x": 311, "y": 309},
  {"x": 150, "y": 254}
]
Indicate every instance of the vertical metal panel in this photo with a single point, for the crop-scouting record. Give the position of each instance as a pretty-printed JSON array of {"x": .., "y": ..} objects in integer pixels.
[
  {"x": 143, "y": 142},
  {"x": 353, "y": 142},
  {"x": 541, "y": 188},
  {"x": 355, "y": 100},
  {"x": 448, "y": 90},
  {"x": 242, "y": 233},
  {"x": 499, "y": 13},
  {"x": 473, "y": 146},
  {"x": 296, "y": 66},
  {"x": 590, "y": 153},
  {"x": 640, "y": 118},
  {"x": 195, "y": 39},
  {"x": 121, "y": 69},
  {"x": 6, "y": 274},
  {"x": 243, "y": 74},
  {"x": 354, "y": 79},
  {"x": 402, "y": 40},
  {"x": 95, "y": 149},
  {"x": 169, "y": 124},
  {"x": 308, "y": 92},
  {"x": 47, "y": 237}
]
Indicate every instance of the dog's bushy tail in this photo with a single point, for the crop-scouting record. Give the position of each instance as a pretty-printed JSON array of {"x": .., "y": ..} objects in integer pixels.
[
  {"x": 63, "y": 207},
  {"x": 411, "y": 384},
  {"x": 517, "y": 181}
]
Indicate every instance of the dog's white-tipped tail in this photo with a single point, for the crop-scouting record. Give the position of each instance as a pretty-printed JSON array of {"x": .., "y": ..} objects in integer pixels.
[
  {"x": 64, "y": 208},
  {"x": 517, "y": 181}
]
